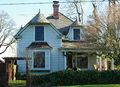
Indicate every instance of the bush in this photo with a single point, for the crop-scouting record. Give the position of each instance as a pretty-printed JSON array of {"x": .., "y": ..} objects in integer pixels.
[
  {"x": 70, "y": 77},
  {"x": 118, "y": 67},
  {"x": 20, "y": 76}
]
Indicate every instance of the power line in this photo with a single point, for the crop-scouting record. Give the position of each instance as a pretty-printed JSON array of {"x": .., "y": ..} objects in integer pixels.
[{"x": 48, "y": 2}]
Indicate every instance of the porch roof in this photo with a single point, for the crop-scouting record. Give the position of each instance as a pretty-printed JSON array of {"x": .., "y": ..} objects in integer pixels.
[
  {"x": 79, "y": 49},
  {"x": 80, "y": 46}
]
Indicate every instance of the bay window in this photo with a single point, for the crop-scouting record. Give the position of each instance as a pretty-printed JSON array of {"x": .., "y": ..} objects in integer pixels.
[{"x": 41, "y": 60}]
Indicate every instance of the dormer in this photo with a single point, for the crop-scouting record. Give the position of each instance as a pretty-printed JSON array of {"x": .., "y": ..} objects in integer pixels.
[{"x": 76, "y": 32}]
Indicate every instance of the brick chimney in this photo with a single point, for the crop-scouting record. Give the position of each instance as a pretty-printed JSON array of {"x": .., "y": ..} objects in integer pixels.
[{"x": 55, "y": 9}]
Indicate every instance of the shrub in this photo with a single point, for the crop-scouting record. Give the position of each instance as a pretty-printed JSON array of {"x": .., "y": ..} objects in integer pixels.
[
  {"x": 118, "y": 67},
  {"x": 20, "y": 76},
  {"x": 70, "y": 77}
]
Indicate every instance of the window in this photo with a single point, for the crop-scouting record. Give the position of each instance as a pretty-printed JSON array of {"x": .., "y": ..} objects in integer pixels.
[
  {"x": 39, "y": 60},
  {"x": 80, "y": 62},
  {"x": 76, "y": 34},
  {"x": 39, "y": 33}
]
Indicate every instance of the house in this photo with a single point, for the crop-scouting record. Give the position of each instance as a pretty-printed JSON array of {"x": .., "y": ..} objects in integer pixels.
[{"x": 54, "y": 43}]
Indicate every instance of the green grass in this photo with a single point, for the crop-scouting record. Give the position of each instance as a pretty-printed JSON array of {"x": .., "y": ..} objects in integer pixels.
[
  {"x": 22, "y": 83},
  {"x": 17, "y": 83},
  {"x": 106, "y": 85}
]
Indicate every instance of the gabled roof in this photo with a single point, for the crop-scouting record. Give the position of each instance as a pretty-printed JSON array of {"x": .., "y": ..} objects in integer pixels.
[
  {"x": 39, "y": 18},
  {"x": 62, "y": 23},
  {"x": 77, "y": 23}
]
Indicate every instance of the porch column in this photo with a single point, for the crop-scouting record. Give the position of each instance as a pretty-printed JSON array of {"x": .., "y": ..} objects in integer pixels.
[
  {"x": 105, "y": 64},
  {"x": 100, "y": 63},
  {"x": 112, "y": 64},
  {"x": 100, "y": 60},
  {"x": 65, "y": 61}
]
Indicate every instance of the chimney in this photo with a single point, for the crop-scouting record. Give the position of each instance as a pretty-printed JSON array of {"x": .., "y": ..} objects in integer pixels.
[{"x": 55, "y": 9}]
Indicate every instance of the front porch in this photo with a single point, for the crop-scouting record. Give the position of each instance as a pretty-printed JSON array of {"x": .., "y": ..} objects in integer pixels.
[
  {"x": 76, "y": 60},
  {"x": 79, "y": 60},
  {"x": 85, "y": 56}
]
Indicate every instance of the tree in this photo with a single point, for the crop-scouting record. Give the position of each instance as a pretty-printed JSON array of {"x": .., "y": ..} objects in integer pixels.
[
  {"x": 74, "y": 9},
  {"x": 7, "y": 30},
  {"x": 103, "y": 27},
  {"x": 108, "y": 27}
]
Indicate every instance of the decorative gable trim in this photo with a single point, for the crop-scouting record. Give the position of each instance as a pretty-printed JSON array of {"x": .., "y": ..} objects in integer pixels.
[{"x": 36, "y": 21}]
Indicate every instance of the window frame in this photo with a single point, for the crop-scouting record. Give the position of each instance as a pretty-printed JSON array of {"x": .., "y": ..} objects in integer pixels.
[
  {"x": 75, "y": 62},
  {"x": 74, "y": 34},
  {"x": 47, "y": 60},
  {"x": 34, "y": 60},
  {"x": 43, "y": 34}
]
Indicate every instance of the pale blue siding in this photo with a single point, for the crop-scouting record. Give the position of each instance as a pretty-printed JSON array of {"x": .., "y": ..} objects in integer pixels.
[{"x": 51, "y": 37}]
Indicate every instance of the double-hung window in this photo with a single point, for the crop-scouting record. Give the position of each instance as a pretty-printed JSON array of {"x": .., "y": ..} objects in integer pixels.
[{"x": 39, "y": 33}]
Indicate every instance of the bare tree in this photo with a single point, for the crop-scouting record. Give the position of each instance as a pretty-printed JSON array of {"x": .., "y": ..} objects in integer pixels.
[
  {"x": 107, "y": 26},
  {"x": 74, "y": 9},
  {"x": 7, "y": 30}
]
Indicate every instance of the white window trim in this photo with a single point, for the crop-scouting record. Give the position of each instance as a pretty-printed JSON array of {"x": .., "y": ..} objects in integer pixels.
[{"x": 47, "y": 60}]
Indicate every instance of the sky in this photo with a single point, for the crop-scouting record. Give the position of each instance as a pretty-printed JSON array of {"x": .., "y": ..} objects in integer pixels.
[{"x": 22, "y": 14}]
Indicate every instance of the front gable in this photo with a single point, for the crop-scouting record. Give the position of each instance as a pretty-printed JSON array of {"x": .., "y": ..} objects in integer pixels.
[{"x": 38, "y": 20}]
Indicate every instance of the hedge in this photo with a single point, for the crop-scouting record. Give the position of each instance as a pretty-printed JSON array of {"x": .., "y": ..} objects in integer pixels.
[{"x": 70, "y": 77}]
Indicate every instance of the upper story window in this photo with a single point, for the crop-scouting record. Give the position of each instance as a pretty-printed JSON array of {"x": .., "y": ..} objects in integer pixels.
[
  {"x": 76, "y": 34},
  {"x": 39, "y": 33}
]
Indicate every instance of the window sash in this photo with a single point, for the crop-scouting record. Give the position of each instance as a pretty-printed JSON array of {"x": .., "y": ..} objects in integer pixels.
[
  {"x": 39, "y": 33},
  {"x": 80, "y": 62},
  {"x": 76, "y": 34},
  {"x": 39, "y": 60}
]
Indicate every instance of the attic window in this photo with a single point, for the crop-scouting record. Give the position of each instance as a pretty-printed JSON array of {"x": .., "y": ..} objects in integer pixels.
[
  {"x": 39, "y": 33},
  {"x": 76, "y": 34}
]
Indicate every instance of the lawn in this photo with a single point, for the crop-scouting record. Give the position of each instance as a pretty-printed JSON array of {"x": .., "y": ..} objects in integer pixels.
[
  {"x": 17, "y": 83},
  {"x": 22, "y": 83},
  {"x": 107, "y": 85}
]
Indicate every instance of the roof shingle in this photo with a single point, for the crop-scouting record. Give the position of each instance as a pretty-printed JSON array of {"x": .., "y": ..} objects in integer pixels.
[
  {"x": 39, "y": 45},
  {"x": 39, "y": 18}
]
